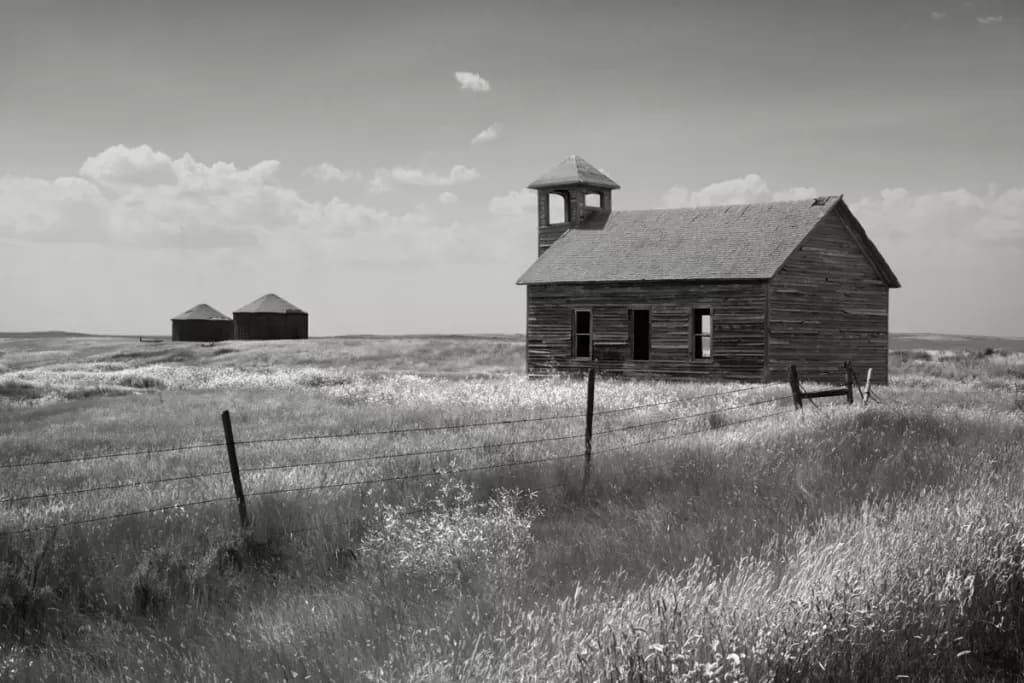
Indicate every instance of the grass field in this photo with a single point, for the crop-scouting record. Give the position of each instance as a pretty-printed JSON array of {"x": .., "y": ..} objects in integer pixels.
[{"x": 748, "y": 542}]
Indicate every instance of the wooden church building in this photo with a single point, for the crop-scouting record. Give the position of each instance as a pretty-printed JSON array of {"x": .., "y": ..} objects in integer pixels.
[{"x": 736, "y": 292}]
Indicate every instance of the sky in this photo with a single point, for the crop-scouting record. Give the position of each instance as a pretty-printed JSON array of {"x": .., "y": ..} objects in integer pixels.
[{"x": 368, "y": 161}]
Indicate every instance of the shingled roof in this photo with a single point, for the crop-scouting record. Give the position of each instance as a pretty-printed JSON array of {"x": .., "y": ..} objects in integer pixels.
[
  {"x": 270, "y": 303},
  {"x": 573, "y": 170},
  {"x": 737, "y": 242},
  {"x": 201, "y": 312}
]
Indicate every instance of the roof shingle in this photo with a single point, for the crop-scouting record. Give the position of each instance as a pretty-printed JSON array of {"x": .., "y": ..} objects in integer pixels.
[{"x": 737, "y": 242}]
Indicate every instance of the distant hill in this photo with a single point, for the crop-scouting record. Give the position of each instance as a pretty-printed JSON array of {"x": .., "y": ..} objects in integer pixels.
[
  {"x": 47, "y": 334},
  {"x": 897, "y": 342},
  {"x": 953, "y": 342}
]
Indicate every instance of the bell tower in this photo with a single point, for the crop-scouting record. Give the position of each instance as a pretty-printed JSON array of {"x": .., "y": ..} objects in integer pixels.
[{"x": 573, "y": 180}]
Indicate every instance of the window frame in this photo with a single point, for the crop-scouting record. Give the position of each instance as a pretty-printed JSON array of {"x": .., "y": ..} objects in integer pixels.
[
  {"x": 632, "y": 332},
  {"x": 697, "y": 332},
  {"x": 575, "y": 333}
]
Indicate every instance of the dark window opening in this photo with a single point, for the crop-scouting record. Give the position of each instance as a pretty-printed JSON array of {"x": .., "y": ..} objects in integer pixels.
[
  {"x": 702, "y": 333},
  {"x": 640, "y": 333},
  {"x": 581, "y": 334}
]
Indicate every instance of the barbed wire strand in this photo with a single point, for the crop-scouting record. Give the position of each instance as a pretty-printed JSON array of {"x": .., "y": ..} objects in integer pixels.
[
  {"x": 690, "y": 416},
  {"x": 688, "y": 433},
  {"x": 123, "y": 454},
  {"x": 120, "y": 515},
  {"x": 114, "y": 487},
  {"x": 438, "y": 451},
  {"x": 383, "y": 432},
  {"x": 678, "y": 400},
  {"x": 417, "y": 475},
  {"x": 427, "y": 508},
  {"x": 506, "y": 444},
  {"x": 490, "y": 423}
]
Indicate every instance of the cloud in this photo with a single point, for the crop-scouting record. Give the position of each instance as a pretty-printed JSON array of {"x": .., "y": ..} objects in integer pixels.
[
  {"x": 383, "y": 178},
  {"x": 937, "y": 16},
  {"x": 489, "y": 133},
  {"x": 126, "y": 197},
  {"x": 327, "y": 173},
  {"x": 471, "y": 81},
  {"x": 748, "y": 189},
  {"x": 122, "y": 165},
  {"x": 992, "y": 217},
  {"x": 143, "y": 197},
  {"x": 989, "y": 20},
  {"x": 514, "y": 203}
]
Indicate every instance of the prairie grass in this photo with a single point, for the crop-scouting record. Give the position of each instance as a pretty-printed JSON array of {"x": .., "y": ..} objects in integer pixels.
[{"x": 738, "y": 544}]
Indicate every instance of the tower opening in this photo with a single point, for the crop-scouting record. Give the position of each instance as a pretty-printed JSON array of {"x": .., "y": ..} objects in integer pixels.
[{"x": 558, "y": 209}]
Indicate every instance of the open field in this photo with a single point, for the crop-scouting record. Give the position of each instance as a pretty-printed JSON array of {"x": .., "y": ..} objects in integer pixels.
[{"x": 746, "y": 542}]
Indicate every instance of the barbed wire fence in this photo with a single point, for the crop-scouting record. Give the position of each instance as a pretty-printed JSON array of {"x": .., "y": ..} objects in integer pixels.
[{"x": 557, "y": 448}]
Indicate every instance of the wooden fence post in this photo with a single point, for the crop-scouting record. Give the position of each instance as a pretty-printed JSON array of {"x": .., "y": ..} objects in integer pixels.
[
  {"x": 229, "y": 440},
  {"x": 849, "y": 382},
  {"x": 590, "y": 427},
  {"x": 794, "y": 384},
  {"x": 867, "y": 388}
]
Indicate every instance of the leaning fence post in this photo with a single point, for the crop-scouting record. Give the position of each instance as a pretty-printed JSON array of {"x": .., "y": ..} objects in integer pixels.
[
  {"x": 849, "y": 382},
  {"x": 590, "y": 427},
  {"x": 867, "y": 388},
  {"x": 794, "y": 384},
  {"x": 229, "y": 440}
]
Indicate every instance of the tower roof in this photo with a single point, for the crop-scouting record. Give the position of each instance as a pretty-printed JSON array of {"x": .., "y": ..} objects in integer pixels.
[
  {"x": 573, "y": 170},
  {"x": 270, "y": 303},
  {"x": 201, "y": 312}
]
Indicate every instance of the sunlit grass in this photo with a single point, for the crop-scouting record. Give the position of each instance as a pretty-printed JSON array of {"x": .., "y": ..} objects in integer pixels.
[{"x": 842, "y": 543}]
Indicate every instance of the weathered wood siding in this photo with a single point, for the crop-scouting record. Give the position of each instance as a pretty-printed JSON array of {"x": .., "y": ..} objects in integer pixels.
[
  {"x": 826, "y": 305},
  {"x": 201, "y": 330},
  {"x": 549, "y": 234},
  {"x": 738, "y": 328},
  {"x": 271, "y": 325}
]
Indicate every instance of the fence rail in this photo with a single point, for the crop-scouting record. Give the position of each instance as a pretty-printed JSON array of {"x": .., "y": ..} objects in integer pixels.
[{"x": 236, "y": 461}]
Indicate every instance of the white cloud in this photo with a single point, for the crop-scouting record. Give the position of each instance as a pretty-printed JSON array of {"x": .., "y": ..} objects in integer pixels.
[
  {"x": 448, "y": 198},
  {"x": 327, "y": 173},
  {"x": 143, "y": 197},
  {"x": 514, "y": 203},
  {"x": 471, "y": 81},
  {"x": 989, "y": 20},
  {"x": 995, "y": 216},
  {"x": 748, "y": 189},
  {"x": 489, "y": 133},
  {"x": 936, "y": 15},
  {"x": 383, "y": 178},
  {"x": 126, "y": 197},
  {"x": 123, "y": 165}
]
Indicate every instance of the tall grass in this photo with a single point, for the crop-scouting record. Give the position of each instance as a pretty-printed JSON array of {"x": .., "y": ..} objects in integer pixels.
[{"x": 840, "y": 544}]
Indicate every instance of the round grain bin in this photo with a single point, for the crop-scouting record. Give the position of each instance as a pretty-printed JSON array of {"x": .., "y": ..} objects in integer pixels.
[
  {"x": 271, "y": 317},
  {"x": 201, "y": 323}
]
